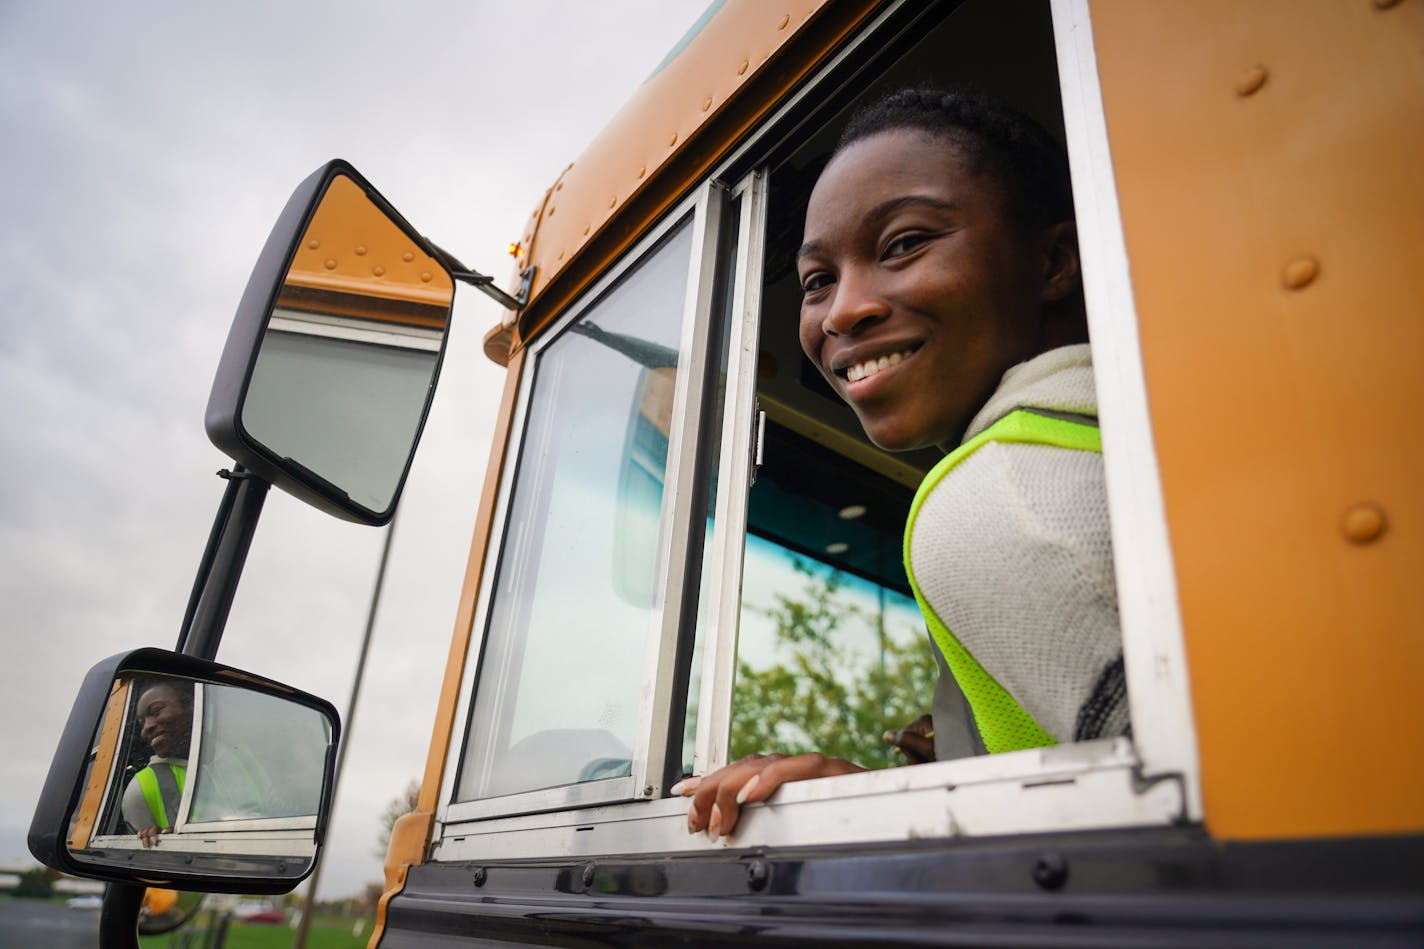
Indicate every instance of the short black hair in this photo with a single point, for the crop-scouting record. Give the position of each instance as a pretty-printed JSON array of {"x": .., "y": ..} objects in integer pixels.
[
  {"x": 183, "y": 688},
  {"x": 997, "y": 140}
]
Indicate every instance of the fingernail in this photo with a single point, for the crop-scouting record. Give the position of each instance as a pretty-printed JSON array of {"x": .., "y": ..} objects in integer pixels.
[
  {"x": 676, "y": 789},
  {"x": 684, "y": 787},
  {"x": 748, "y": 788},
  {"x": 692, "y": 819},
  {"x": 714, "y": 826}
]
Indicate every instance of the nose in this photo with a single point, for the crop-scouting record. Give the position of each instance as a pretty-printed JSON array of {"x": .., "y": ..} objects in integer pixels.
[{"x": 856, "y": 306}]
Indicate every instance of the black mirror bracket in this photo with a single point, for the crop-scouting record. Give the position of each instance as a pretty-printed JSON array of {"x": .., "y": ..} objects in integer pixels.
[{"x": 485, "y": 284}]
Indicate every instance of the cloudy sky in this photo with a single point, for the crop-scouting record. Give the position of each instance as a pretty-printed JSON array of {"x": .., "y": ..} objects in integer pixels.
[{"x": 147, "y": 150}]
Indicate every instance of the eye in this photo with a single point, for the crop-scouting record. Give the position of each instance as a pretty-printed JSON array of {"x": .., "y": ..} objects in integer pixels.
[
  {"x": 816, "y": 280},
  {"x": 902, "y": 244}
]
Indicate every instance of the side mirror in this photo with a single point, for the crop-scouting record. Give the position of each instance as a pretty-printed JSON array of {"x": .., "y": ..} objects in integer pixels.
[
  {"x": 333, "y": 355},
  {"x": 182, "y": 773}
]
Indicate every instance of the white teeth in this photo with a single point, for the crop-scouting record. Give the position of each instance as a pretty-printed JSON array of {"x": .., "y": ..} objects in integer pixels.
[{"x": 871, "y": 366}]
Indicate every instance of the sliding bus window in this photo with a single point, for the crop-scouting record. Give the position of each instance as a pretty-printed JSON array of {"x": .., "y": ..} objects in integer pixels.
[{"x": 556, "y": 701}]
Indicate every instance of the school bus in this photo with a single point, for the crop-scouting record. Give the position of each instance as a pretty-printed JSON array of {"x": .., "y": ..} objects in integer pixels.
[{"x": 668, "y": 471}]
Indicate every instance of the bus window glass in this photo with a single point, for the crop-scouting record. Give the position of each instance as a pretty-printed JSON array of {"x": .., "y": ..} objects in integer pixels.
[
  {"x": 556, "y": 699},
  {"x": 826, "y": 659},
  {"x": 243, "y": 772}
]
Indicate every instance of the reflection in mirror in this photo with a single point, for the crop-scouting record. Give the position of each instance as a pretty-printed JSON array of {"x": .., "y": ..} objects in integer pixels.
[
  {"x": 344, "y": 372},
  {"x": 183, "y": 768}
]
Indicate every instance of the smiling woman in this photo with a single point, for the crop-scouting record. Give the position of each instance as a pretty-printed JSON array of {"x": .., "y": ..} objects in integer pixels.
[
  {"x": 941, "y": 301},
  {"x": 923, "y": 279}
]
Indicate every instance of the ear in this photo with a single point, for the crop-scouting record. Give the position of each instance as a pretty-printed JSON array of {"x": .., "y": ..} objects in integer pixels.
[{"x": 1060, "y": 257}]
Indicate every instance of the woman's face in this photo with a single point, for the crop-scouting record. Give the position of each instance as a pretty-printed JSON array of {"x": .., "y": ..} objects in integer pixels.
[
  {"x": 919, "y": 290},
  {"x": 165, "y": 721}
]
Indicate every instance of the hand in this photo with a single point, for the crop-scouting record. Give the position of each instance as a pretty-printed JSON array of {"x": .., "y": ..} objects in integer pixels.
[
  {"x": 717, "y": 798},
  {"x": 149, "y": 836},
  {"x": 916, "y": 740}
]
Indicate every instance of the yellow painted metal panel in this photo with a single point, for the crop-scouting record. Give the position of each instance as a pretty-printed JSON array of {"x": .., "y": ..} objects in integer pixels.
[{"x": 1268, "y": 158}]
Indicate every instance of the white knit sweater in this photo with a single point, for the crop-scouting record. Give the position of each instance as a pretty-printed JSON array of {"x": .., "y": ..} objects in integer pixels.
[{"x": 1013, "y": 553}]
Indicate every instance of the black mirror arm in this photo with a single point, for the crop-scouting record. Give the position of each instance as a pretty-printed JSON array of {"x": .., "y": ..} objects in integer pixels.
[
  {"x": 118, "y": 917},
  {"x": 483, "y": 282},
  {"x": 221, "y": 566}
]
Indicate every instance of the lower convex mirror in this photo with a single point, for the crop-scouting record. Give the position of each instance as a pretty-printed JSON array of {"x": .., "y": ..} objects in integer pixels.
[{"x": 179, "y": 772}]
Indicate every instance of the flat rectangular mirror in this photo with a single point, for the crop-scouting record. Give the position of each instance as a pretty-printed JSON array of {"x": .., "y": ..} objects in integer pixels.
[
  {"x": 333, "y": 356},
  {"x": 193, "y": 772}
]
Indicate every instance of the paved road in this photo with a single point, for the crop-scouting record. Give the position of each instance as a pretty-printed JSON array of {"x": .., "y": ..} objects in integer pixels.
[{"x": 44, "y": 925}]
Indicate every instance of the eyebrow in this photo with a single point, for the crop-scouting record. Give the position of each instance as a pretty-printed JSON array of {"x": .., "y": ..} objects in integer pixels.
[{"x": 884, "y": 209}]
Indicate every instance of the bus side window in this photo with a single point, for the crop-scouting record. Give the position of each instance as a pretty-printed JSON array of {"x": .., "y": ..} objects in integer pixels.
[{"x": 557, "y": 698}]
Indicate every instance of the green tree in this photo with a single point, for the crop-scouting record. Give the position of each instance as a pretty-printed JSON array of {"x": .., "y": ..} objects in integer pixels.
[
  {"x": 396, "y": 808},
  {"x": 823, "y": 696}
]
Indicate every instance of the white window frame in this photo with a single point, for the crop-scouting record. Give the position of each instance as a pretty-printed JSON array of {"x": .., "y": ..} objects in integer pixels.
[
  {"x": 251, "y": 836},
  {"x": 1151, "y": 779},
  {"x": 707, "y": 213}
]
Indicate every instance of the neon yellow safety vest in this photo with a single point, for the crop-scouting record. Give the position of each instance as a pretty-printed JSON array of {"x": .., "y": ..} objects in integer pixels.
[
  {"x": 162, "y": 786},
  {"x": 1003, "y": 723}
]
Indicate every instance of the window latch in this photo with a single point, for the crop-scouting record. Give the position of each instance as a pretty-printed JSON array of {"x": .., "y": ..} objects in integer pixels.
[{"x": 758, "y": 443}]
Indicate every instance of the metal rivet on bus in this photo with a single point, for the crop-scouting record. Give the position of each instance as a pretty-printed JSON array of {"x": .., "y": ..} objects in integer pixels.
[
  {"x": 673, "y": 140},
  {"x": 1251, "y": 81},
  {"x": 481, "y": 875},
  {"x": 378, "y": 270},
  {"x": 784, "y": 20},
  {"x": 1362, "y": 523},
  {"x": 330, "y": 264},
  {"x": 758, "y": 873},
  {"x": 360, "y": 250},
  {"x": 552, "y": 209},
  {"x": 706, "y": 103},
  {"x": 742, "y": 69},
  {"x": 425, "y": 276},
  {"x": 313, "y": 244},
  {"x": 585, "y": 229},
  {"x": 1050, "y": 871},
  {"x": 408, "y": 256},
  {"x": 642, "y": 171},
  {"x": 588, "y": 874},
  {"x": 1300, "y": 272},
  {"x": 613, "y": 201}
]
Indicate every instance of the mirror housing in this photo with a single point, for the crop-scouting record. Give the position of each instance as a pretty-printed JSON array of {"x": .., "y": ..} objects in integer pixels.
[
  {"x": 241, "y": 778},
  {"x": 331, "y": 362}
]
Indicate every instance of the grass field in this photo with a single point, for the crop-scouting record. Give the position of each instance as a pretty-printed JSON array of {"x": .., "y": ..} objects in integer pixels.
[{"x": 327, "y": 932}]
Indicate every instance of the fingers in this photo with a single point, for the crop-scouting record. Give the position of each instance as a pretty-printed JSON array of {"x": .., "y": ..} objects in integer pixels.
[
  {"x": 916, "y": 740},
  {"x": 917, "y": 748},
  {"x": 717, "y": 798},
  {"x": 714, "y": 796}
]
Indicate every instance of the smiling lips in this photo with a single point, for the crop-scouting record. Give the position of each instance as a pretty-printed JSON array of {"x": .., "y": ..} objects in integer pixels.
[{"x": 868, "y": 368}]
